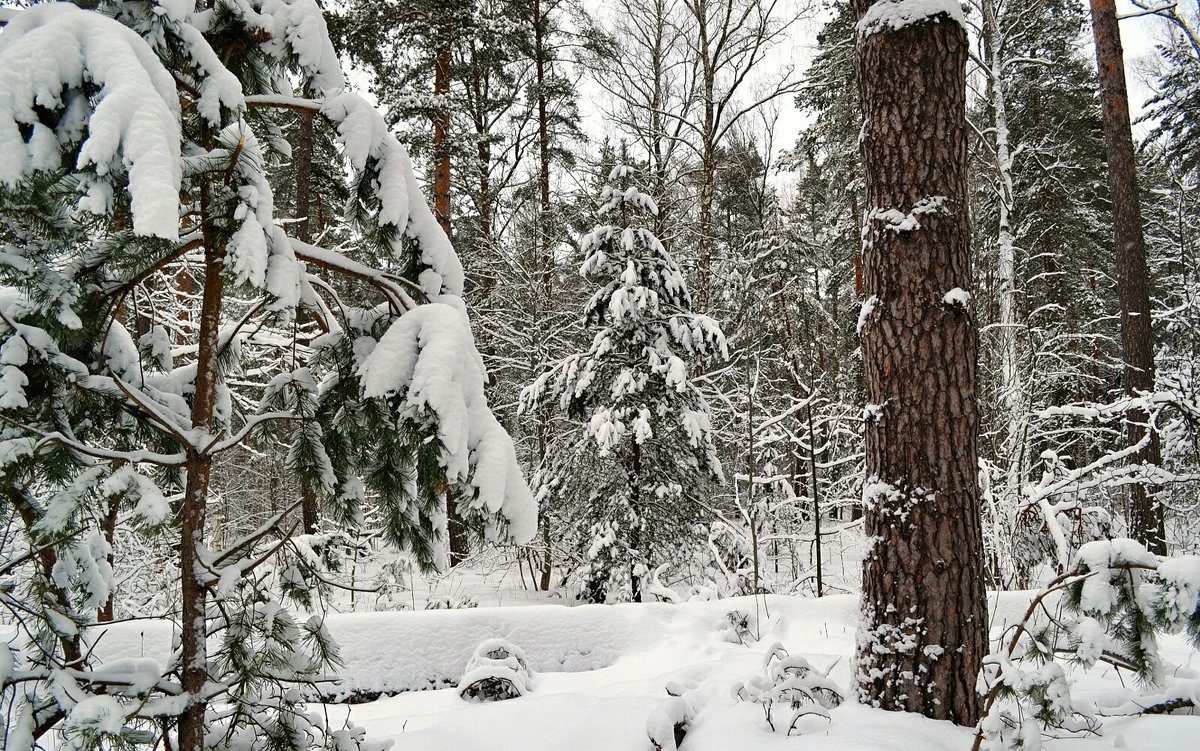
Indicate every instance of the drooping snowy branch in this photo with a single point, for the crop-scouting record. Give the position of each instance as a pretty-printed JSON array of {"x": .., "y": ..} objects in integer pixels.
[
  {"x": 427, "y": 361},
  {"x": 130, "y": 134}
]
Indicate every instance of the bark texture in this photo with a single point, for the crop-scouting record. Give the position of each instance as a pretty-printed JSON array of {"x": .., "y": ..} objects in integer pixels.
[
  {"x": 1146, "y": 523},
  {"x": 441, "y": 138},
  {"x": 923, "y": 631},
  {"x": 310, "y": 504},
  {"x": 194, "y": 595}
]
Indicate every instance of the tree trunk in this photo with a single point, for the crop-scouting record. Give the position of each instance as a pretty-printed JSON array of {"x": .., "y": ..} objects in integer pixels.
[
  {"x": 923, "y": 632},
  {"x": 635, "y": 532},
  {"x": 108, "y": 527},
  {"x": 193, "y": 649},
  {"x": 539, "y": 64},
  {"x": 1146, "y": 523},
  {"x": 441, "y": 138},
  {"x": 1012, "y": 390},
  {"x": 309, "y": 507},
  {"x": 459, "y": 542}
]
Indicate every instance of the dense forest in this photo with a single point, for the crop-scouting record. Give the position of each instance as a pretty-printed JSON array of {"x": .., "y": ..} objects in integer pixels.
[{"x": 318, "y": 307}]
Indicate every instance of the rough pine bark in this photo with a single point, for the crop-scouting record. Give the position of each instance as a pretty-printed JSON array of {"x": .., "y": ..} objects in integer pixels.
[
  {"x": 923, "y": 630},
  {"x": 1146, "y": 523}
]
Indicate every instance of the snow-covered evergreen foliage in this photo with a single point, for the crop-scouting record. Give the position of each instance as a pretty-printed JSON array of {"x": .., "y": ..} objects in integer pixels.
[
  {"x": 135, "y": 145},
  {"x": 642, "y": 457},
  {"x": 1112, "y": 607}
]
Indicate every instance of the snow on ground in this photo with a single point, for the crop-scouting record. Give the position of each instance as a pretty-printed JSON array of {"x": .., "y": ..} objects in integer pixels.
[
  {"x": 599, "y": 672},
  {"x": 641, "y": 648}
]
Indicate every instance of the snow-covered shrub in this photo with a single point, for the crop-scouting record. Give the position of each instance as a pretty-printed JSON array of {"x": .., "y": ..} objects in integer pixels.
[
  {"x": 446, "y": 602},
  {"x": 790, "y": 688},
  {"x": 739, "y": 628},
  {"x": 1111, "y": 607},
  {"x": 496, "y": 671},
  {"x": 669, "y": 722}
]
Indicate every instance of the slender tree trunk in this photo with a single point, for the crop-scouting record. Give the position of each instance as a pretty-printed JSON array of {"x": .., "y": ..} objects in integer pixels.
[
  {"x": 109, "y": 528},
  {"x": 193, "y": 649},
  {"x": 708, "y": 180},
  {"x": 441, "y": 138},
  {"x": 309, "y": 506},
  {"x": 923, "y": 632},
  {"x": 1012, "y": 389},
  {"x": 1146, "y": 523},
  {"x": 708, "y": 158},
  {"x": 304, "y": 160},
  {"x": 657, "y": 124},
  {"x": 543, "y": 117},
  {"x": 816, "y": 498},
  {"x": 636, "y": 540}
]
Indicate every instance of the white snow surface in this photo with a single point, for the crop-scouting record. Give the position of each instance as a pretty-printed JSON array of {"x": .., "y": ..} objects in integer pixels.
[
  {"x": 603, "y": 672},
  {"x": 957, "y": 297}
]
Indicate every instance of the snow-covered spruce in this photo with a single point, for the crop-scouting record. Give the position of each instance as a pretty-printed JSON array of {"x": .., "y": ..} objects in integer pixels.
[
  {"x": 497, "y": 670},
  {"x": 136, "y": 144},
  {"x": 642, "y": 449}
]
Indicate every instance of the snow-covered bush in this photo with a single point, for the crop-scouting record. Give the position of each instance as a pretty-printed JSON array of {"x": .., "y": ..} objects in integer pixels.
[
  {"x": 446, "y": 602},
  {"x": 740, "y": 628},
  {"x": 669, "y": 722},
  {"x": 496, "y": 671},
  {"x": 1111, "y": 607},
  {"x": 789, "y": 689}
]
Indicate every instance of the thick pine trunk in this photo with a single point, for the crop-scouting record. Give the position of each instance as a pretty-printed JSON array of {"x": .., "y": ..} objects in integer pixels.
[
  {"x": 1146, "y": 523},
  {"x": 924, "y": 625},
  {"x": 456, "y": 531}
]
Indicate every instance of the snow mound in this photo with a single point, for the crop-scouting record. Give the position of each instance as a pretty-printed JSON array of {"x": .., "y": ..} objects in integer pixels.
[{"x": 496, "y": 671}]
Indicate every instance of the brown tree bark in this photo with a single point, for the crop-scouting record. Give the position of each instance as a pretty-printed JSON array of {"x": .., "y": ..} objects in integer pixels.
[
  {"x": 1146, "y": 523},
  {"x": 459, "y": 542},
  {"x": 108, "y": 527},
  {"x": 923, "y": 631},
  {"x": 193, "y": 648},
  {"x": 441, "y": 137},
  {"x": 309, "y": 506}
]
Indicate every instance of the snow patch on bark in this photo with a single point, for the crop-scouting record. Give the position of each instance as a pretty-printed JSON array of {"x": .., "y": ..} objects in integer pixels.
[{"x": 894, "y": 15}]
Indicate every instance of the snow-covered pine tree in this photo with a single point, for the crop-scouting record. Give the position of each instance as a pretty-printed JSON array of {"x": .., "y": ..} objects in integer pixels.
[
  {"x": 642, "y": 455},
  {"x": 133, "y": 138}
]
